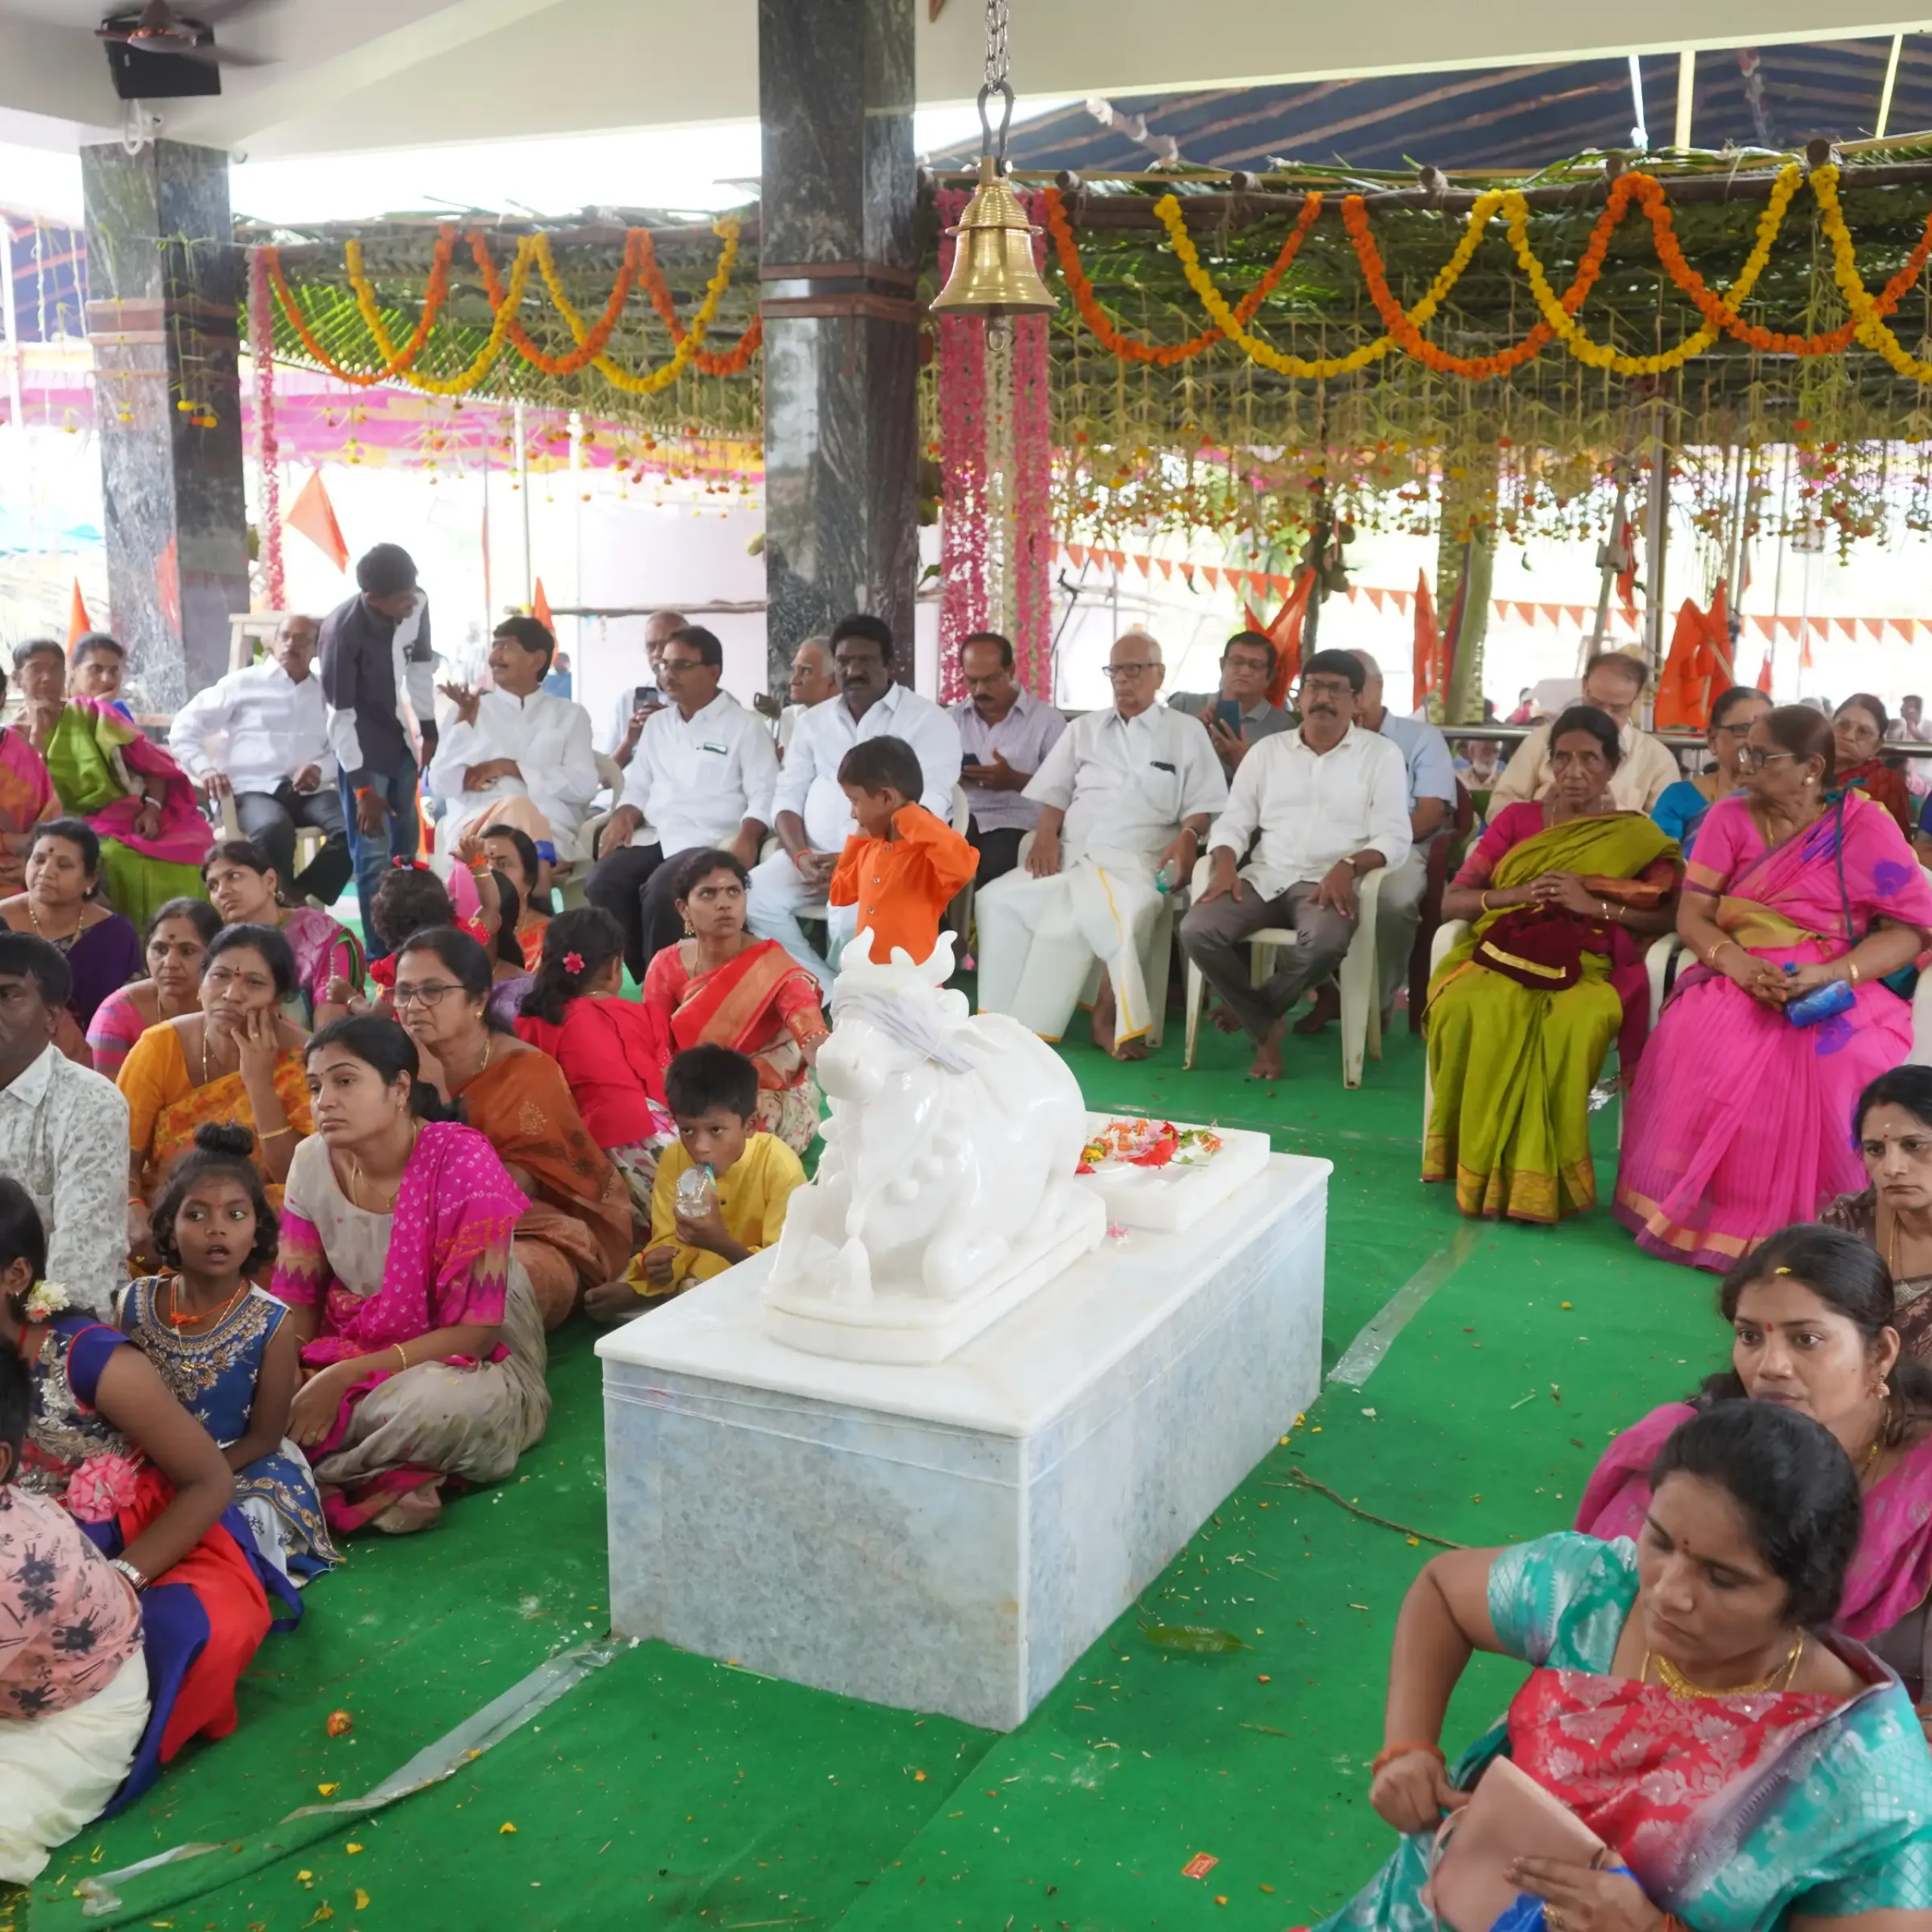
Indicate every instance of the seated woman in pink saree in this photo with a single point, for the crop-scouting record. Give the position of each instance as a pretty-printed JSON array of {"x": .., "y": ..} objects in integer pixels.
[
  {"x": 722, "y": 987},
  {"x": 1739, "y": 1122},
  {"x": 421, "y": 1353},
  {"x": 1810, "y": 1314}
]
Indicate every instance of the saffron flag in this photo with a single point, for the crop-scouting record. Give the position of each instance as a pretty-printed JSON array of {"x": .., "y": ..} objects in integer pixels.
[
  {"x": 1765, "y": 675},
  {"x": 1285, "y": 633},
  {"x": 78, "y": 623},
  {"x": 539, "y": 608},
  {"x": 1428, "y": 645},
  {"x": 314, "y": 515}
]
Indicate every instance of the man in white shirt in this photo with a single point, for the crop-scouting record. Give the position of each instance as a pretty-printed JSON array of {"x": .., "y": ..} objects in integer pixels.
[
  {"x": 1431, "y": 769},
  {"x": 703, "y": 776},
  {"x": 638, "y": 704},
  {"x": 1330, "y": 801},
  {"x": 813, "y": 817},
  {"x": 63, "y": 1128},
  {"x": 515, "y": 755},
  {"x": 261, "y": 733},
  {"x": 814, "y": 680},
  {"x": 1125, "y": 794},
  {"x": 1613, "y": 682}
]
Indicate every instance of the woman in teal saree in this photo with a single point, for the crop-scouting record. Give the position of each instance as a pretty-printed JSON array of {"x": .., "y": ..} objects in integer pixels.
[{"x": 1747, "y": 1767}]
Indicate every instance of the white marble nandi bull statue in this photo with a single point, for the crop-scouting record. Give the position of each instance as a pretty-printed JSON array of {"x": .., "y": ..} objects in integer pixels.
[{"x": 946, "y": 1194}]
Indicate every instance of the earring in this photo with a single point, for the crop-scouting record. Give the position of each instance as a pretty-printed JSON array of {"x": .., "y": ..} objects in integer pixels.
[{"x": 689, "y": 932}]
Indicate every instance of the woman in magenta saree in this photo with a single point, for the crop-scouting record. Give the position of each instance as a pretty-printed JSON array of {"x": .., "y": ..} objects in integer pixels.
[
  {"x": 423, "y": 1353},
  {"x": 1739, "y": 1123},
  {"x": 26, "y": 796}
]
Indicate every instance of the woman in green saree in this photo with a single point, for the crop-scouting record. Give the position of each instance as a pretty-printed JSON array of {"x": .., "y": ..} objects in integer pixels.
[
  {"x": 1562, "y": 895},
  {"x": 141, "y": 805}
]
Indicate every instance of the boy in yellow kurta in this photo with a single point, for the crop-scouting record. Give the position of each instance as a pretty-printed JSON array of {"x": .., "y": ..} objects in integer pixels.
[{"x": 712, "y": 1094}]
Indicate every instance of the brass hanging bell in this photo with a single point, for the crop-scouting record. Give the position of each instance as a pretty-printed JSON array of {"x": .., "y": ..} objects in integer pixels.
[{"x": 993, "y": 273}]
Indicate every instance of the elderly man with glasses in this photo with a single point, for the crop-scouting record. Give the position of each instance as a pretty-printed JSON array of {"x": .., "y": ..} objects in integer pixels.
[
  {"x": 1330, "y": 801},
  {"x": 1125, "y": 794}
]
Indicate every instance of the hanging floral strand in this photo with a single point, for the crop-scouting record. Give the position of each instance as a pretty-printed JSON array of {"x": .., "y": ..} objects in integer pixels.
[
  {"x": 261, "y": 349},
  {"x": 1032, "y": 484},
  {"x": 962, "y": 454}
]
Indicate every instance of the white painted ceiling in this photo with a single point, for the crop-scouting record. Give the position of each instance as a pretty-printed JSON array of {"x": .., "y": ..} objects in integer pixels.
[{"x": 353, "y": 74}]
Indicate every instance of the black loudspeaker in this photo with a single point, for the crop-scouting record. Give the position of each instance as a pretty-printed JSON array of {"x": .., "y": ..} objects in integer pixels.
[{"x": 140, "y": 74}]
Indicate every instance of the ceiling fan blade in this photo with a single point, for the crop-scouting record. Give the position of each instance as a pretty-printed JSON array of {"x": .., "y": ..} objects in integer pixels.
[
  {"x": 213, "y": 57},
  {"x": 213, "y": 13}
]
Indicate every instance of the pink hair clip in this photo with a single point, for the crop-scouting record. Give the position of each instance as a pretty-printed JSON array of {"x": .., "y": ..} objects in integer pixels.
[{"x": 573, "y": 962}]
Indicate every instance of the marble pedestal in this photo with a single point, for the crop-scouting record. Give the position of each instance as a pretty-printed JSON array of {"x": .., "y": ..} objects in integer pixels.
[{"x": 951, "y": 1538}]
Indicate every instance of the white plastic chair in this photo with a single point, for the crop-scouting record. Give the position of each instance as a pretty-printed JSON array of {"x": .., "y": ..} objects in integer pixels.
[{"x": 1362, "y": 1002}]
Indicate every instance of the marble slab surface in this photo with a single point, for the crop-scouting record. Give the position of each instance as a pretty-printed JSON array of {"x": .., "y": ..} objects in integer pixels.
[{"x": 951, "y": 1537}]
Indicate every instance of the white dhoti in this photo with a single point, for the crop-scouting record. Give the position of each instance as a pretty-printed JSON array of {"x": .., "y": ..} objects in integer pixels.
[
  {"x": 1038, "y": 939},
  {"x": 57, "y": 1772}
]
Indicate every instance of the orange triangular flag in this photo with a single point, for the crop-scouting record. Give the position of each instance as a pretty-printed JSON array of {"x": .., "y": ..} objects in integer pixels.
[
  {"x": 1076, "y": 554},
  {"x": 1764, "y": 675},
  {"x": 1428, "y": 644},
  {"x": 314, "y": 515},
  {"x": 1213, "y": 576},
  {"x": 1375, "y": 596},
  {"x": 1400, "y": 599},
  {"x": 1554, "y": 612},
  {"x": 1167, "y": 568},
  {"x": 539, "y": 608},
  {"x": 78, "y": 623}
]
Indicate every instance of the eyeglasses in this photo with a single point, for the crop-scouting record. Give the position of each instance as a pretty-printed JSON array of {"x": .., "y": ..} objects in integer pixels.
[
  {"x": 1326, "y": 687},
  {"x": 1118, "y": 672},
  {"x": 667, "y": 663},
  {"x": 1750, "y": 757},
  {"x": 428, "y": 993}
]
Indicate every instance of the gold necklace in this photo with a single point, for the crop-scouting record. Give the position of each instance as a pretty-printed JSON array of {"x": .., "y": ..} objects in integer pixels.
[
  {"x": 360, "y": 1180},
  {"x": 1674, "y": 1680},
  {"x": 53, "y": 939}
]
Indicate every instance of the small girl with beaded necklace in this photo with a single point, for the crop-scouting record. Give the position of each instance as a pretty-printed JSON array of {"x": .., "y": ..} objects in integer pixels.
[{"x": 227, "y": 1350}]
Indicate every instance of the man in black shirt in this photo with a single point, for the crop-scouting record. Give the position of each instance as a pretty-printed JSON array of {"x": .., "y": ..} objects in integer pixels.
[{"x": 377, "y": 670}]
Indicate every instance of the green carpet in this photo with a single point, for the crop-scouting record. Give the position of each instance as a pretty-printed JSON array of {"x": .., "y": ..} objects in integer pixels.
[{"x": 667, "y": 1790}]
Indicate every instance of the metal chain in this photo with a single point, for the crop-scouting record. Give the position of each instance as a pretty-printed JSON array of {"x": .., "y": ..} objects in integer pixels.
[{"x": 997, "y": 56}]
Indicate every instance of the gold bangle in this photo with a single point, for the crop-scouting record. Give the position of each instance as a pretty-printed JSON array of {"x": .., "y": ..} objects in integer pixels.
[
  {"x": 266, "y": 1138},
  {"x": 400, "y": 1356},
  {"x": 1851, "y": 968},
  {"x": 1710, "y": 958},
  {"x": 1483, "y": 901}
]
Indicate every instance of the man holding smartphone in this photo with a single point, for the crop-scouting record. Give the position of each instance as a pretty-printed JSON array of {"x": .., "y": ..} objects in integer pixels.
[
  {"x": 1005, "y": 733},
  {"x": 637, "y": 704},
  {"x": 1240, "y": 715}
]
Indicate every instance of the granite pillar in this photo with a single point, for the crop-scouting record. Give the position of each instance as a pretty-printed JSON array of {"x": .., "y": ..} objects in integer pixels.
[
  {"x": 838, "y": 264},
  {"x": 165, "y": 289}
]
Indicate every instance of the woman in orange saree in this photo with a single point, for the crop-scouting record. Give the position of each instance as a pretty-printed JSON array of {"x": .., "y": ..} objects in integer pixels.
[
  {"x": 721, "y": 987},
  {"x": 237, "y": 1059},
  {"x": 577, "y": 1230}
]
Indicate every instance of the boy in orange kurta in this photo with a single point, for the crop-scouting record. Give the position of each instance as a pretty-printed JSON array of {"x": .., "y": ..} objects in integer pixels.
[{"x": 903, "y": 866}]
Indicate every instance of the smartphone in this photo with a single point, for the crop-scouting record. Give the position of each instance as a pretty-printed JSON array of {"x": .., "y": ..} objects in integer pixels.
[
  {"x": 646, "y": 694},
  {"x": 1227, "y": 713}
]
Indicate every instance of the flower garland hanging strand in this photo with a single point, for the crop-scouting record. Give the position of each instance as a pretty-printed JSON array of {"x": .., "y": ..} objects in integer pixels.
[
  {"x": 1127, "y": 348},
  {"x": 1001, "y": 534},
  {"x": 1868, "y": 315},
  {"x": 962, "y": 452},
  {"x": 1032, "y": 447},
  {"x": 261, "y": 351}
]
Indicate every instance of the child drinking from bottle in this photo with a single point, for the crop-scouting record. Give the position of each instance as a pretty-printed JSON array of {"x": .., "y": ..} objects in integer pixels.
[
  {"x": 903, "y": 867},
  {"x": 722, "y": 1187}
]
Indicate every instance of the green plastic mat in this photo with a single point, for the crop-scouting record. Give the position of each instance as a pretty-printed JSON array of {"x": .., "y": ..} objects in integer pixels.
[{"x": 668, "y": 1790}]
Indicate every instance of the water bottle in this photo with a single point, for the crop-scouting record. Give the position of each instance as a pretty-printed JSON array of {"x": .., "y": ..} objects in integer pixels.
[
  {"x": 1823, "y": 1002},
  {"x": 696, "y": 1194},
  {"x": 1168, "y": 877}
]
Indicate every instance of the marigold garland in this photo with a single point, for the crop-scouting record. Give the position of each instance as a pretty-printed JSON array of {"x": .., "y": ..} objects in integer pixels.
[
  {"x": 532, "y": 251},
  {"x": 1869, "y": 314},
  {"x": 1720, "y": 311},
  {"x": 1164, "y": 356}
]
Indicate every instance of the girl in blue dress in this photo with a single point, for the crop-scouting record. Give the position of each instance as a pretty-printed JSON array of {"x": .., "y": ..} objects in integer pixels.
[{"x": 225, "y": 1348}]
